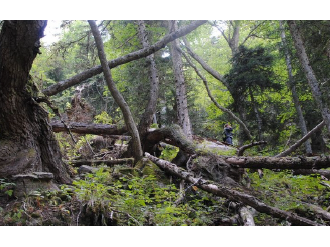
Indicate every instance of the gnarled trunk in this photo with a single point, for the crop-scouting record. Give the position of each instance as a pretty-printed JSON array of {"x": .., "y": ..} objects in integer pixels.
[{"x": 27, "y": 143}]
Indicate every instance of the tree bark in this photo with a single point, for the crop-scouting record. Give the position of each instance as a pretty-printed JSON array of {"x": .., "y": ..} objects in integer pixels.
[
  {"x": 77, "y": 163},
  {"x": 180, "y": 86},
  {"x": 27, "y": 143},
  {"x": 84, "y": 128},
  {"x": 309, "y": 73},
  {"x": 291, "y": 85},
  {"x": 129, "y": 121},
  {"x": 325, "y": 173},
  {"x": 301, "y": 141},
  {"x": 62, "y": 85},
  {"x": 231, "y": 194},
  {"x": 150, "y": 110},
  {"x": 282, "y": 163}
]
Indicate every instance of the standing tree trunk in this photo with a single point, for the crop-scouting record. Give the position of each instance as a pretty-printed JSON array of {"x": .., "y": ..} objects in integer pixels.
[
  {"x": 312, "y": 81},
  {"x": 129, "y": 121},
  {"x": 27, "y": 143},
  {"x": 291, "y": 85},
  {"x": 180, "y": 86},
  {"x": 150, "y": 110}
]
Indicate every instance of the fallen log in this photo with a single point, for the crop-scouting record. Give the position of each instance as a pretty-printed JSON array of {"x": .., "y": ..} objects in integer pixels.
[
  {"x": 325, "y": 173},
  {"x": 77, "y": 163},
  {"x": 84, "y": 128},
  {"x": 246, "y": 216},
  {"x": 229, "y": 193},
  {"x": 282, "y": 163}
]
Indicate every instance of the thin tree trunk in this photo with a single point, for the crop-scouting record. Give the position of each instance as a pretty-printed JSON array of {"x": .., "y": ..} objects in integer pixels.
[
  {"x": 230, "y": 113},
  {"x": 180, "y": 86},
  {"x": 62, "y": 85},
  {"x": 150, "y": 110},
  {"x": 129, "y": 121},
  {"x": 301, "y": 141},
  {"x": 291, "y": 85},
  {"x": 309, "y": 73},
  {"x": 27, "y": 143},
  {"x": 210, "y": 70}
]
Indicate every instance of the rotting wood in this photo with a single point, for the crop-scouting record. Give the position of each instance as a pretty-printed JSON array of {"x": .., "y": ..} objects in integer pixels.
[
  {"x": 77, "y": 163},
  {"x": 84, "y": 128},
  {"x": 229, "y": 193},
  {"x": 324, "y": 173},
  {"x": 282, "y": 163}
]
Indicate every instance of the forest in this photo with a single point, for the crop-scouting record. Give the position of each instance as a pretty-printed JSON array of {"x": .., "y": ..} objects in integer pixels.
[{"x": 165, "y": 123}]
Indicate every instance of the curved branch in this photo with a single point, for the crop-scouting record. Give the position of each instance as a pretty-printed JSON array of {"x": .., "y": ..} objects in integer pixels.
[
  {"x": 239, "y": 121},
  {"x": 243, "y": 148},
  {"x": 62, "y": 85}
]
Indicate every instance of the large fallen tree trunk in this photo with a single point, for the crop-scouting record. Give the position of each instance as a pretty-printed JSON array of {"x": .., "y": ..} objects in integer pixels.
[
  {"x": 279, "y": 163},
  {"x": 84, "y": 128},
  {"x": 229, "y": 193}
]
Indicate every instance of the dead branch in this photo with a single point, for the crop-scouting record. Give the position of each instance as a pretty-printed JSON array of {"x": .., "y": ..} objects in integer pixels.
[
  {"x": 324, "y": 173},
  {"x": 62, "y": 85},
  {"x": 230, "y": 113},
  {"x": 282, "y": 163},
  {"x": 301, "y": 141},
  {"x": 231, "y": 194},
  {"x": 84, "y": 128},
  {"x": 243, "y": 148},
  {"x": 77, "y": 163}
]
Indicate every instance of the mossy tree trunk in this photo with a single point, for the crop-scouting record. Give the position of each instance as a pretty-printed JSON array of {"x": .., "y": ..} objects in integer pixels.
[{"x": 27, "y": 143}]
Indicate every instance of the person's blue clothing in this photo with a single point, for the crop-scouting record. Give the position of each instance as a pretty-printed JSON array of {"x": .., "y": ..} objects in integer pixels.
[{"x": 228, "y": 135}]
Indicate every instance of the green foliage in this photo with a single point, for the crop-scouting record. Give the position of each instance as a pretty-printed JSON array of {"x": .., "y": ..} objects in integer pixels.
[
  {"x": 103, "y": 118},
  {"x": 169, "y": 153},
  {"x": 6, "y": 187}
]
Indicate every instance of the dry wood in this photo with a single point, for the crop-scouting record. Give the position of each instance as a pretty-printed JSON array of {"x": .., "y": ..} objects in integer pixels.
[
  {"x": 85, "y": 128},
  {"x": 279, "y": 163},
  {"x": 77, "y": 163},
  {"x": 302, "y": 140},
  {"x": 325, "y": 173},
  {"x": 318, "y": 211},
  {"x": 231, "y": 194},
  {"x": 246, "y": 216},
  {"x": 243, "y": 148}
]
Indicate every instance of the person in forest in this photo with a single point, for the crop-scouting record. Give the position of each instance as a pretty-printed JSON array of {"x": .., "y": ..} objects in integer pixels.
[{"x": 227, "y": 134}]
